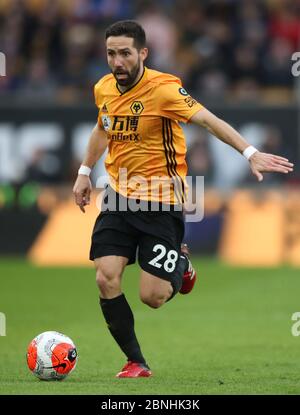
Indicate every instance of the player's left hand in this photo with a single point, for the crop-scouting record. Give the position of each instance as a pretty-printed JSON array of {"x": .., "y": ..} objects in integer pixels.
[{"x": 265, "y": 162}]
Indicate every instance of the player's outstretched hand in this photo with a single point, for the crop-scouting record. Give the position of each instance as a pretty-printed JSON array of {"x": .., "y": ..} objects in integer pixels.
[
  {"x": 265, "y": 162},
  {"x": 82, "y": 191}
]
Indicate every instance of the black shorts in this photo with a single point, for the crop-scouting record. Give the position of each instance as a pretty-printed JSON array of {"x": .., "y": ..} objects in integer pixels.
[{"x": 154, "y": 237}]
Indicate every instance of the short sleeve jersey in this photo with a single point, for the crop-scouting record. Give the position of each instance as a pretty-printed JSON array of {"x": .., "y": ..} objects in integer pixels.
[{"x": 146, "y": 145}]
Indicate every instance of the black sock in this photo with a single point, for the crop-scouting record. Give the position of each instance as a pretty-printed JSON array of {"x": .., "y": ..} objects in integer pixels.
[
  {"x": 120, "y": 321},
  {"x": 177, "y": 276}
]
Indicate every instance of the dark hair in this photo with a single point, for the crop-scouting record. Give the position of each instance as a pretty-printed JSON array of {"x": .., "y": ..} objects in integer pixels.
[{"x": 128, "y": 28}]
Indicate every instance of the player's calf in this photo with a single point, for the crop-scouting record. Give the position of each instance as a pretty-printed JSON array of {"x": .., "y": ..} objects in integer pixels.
[
  {"x": 154, "y": 301},
  {"x": 154, "y": 291}
]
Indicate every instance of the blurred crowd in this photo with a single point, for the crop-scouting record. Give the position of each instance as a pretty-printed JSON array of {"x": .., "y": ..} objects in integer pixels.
[{"x": 221, "y": 49}]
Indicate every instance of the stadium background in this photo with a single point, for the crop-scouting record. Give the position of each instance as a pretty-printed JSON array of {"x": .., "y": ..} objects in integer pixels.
[{"x": 232, "y": 56}]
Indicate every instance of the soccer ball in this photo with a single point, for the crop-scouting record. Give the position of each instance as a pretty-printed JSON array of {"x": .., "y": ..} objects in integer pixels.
[{"x": 51, "y": 356}]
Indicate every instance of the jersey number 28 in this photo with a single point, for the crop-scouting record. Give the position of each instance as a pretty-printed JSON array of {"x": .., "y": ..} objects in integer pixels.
[{"x": 170, "y": 261}]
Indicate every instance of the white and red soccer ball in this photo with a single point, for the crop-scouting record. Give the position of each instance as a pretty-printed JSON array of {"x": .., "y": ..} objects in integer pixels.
[{"x": 51, "y": 356}]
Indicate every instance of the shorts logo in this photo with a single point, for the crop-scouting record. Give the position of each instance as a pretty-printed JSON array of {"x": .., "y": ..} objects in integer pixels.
[
  {"x": 137, "y": 107},
  {"x": 106, "y": 122},
  {"x": 182, "y": 91}
]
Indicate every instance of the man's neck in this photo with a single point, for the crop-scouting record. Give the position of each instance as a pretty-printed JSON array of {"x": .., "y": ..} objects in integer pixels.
[{"x": 125, "y": 88}]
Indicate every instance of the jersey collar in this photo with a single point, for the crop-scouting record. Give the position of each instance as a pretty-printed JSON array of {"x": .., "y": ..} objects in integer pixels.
[{"x": 137, "y": 85}]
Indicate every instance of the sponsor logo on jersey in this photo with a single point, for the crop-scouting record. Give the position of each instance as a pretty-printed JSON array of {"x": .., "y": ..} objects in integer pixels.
[
  {"x": 125, "y": 137},
  {"x": 127, "y": 123},
  {"x": 190, "y": 101}
]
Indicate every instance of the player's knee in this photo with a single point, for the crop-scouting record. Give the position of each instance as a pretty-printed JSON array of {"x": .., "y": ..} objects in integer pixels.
[{"x": 107, "y": 281}]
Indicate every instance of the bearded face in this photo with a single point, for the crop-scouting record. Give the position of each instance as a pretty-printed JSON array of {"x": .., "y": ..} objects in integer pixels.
[
  {"x": 125, "y": 60},
  {"x": 127, "y": 77}
]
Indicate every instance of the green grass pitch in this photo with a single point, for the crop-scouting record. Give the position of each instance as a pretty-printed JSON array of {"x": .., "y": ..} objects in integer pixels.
[{"x": 231, "y": 335}]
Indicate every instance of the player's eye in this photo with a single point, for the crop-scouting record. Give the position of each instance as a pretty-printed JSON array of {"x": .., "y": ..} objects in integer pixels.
[{"x": 126, "y": 54}]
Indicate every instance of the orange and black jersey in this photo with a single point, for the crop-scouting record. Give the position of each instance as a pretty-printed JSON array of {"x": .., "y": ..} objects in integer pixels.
[{"x": 146, "y": 145}]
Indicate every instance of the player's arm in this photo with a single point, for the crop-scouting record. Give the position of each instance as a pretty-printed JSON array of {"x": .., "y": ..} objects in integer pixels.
[
  {"x": 96, "y": 147},
  {"x": 259, "y": 162}
]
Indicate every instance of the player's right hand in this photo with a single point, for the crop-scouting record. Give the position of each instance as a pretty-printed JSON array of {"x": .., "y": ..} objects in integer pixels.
[{"x": 82, "y": 191}]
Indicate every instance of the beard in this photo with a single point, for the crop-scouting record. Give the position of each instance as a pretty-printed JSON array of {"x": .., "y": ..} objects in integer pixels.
[{"x": 130, "y": 77}]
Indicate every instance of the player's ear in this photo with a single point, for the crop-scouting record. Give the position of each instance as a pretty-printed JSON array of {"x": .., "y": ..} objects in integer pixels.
[{"x": 143, "y": 53}]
